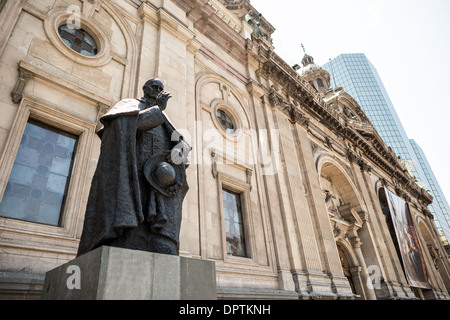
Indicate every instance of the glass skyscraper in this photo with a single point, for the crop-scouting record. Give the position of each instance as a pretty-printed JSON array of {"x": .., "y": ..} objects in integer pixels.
[
  {"x": 439, "y": 207},
  {"x": 356, "y": 74}
]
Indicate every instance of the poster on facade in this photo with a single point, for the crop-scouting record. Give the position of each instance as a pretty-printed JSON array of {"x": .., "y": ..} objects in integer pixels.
[{"x": 410, "y": 249}]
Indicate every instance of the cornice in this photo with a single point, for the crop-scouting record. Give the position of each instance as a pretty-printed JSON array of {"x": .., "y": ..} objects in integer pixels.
[
  {"x": 226, "y": 16},
  {"x": 311, "y": 105},
  {"x": 218, "y": 26}
]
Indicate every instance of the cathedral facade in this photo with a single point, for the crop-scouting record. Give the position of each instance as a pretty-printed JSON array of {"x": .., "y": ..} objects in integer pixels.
[{"x": 291, "y": 189}]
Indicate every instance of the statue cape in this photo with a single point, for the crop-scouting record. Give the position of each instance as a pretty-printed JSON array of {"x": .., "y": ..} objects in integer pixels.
[{"x": 114, "y": 202}]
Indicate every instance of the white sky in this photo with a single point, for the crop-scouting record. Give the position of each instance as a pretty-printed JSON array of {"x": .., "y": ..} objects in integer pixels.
[{"x": 407, "y": 41}]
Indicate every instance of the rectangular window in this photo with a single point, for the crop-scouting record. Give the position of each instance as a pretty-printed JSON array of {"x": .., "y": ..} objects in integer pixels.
[
  {"x": 40, "y": 176},
  {"x": 234, "y": 228}
]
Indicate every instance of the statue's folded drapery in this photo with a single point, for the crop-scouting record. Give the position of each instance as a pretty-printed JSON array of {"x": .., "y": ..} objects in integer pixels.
[{"x": 123, "y": 208}]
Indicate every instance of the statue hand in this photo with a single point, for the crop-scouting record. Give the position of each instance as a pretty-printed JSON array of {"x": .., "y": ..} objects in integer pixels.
[
  {"x": 173, "y": 190},
  {"x": 179, "y": 154},
  {"x": 169, "y": 159},
  {"x": 162, "y": 99}
]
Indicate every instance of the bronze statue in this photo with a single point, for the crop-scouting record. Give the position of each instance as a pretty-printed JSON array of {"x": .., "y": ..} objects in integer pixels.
[
  {"x": 254, "y": 23},
  {"x": 139, "y": 185}
]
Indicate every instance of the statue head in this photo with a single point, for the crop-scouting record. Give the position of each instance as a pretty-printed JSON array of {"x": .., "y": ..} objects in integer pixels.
[{"x": 152, "y": 88}]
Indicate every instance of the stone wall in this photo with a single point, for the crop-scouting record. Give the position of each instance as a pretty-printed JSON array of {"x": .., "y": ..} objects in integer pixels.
[{"x": 287, "y": 147}]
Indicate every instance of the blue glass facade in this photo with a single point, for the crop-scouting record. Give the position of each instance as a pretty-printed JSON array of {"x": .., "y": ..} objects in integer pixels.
[
  {"x": 356, "y": 74},
  {"x": 439, "y": 208}
]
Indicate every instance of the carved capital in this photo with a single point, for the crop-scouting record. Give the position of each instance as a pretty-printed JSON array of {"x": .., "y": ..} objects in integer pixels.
[
  {"x": 427, "y": 213},
  {"x": 351, "y": 155},
  {"x": 399, "y": 191},
  {"x": 356, "y": 242},
  {"x": 364, "y": 166},
  {"x": 339, "y": 233},
  {"x": 364, "y": 216},
  {"x": 355, "y": 271},
  {"x": 274, "y": 100}
]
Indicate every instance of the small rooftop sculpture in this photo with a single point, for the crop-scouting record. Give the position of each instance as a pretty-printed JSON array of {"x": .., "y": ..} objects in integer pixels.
[{"x": 254, "y": 23}]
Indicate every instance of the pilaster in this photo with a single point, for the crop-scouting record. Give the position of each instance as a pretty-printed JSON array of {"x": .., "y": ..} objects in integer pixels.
[
  {"x": 269, "y": 162},
  {"x": 320, "y": 219},
  {"x": 168, "y": 51},
  {"x": 9, "y": 14}
]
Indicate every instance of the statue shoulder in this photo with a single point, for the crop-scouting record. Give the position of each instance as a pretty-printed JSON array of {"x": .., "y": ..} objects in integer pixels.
[
  {"x": 126, "y": 105},
  {"x": 123, "y": 107}
]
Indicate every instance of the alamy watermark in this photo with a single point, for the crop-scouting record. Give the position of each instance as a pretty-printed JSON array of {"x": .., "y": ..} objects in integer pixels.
[
  {"x": 375, "y": 277},
  {"x": 246, "y": 148},
  {"x": 74, "y": 20},
  {"x": 73, "y": 282}
]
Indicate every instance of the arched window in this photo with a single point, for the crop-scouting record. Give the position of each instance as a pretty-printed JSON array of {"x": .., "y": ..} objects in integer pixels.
[
  {"x": 320, "y": 83},
  {"x": 346, "y": 268}
]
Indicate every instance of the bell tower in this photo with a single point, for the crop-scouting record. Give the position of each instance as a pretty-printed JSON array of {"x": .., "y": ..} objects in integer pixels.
[{"x": 314, "y": 74}]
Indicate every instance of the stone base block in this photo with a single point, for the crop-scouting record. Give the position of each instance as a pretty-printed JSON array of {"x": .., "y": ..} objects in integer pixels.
[
  {"x": 110, "y": 273},
  {"x": 20, "y": 286}
]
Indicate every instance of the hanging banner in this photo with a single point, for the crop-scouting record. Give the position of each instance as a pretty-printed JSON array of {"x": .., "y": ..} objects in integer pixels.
[{"x": 413, "y": 262}]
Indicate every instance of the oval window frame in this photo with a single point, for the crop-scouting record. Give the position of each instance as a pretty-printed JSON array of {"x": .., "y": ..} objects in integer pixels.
[
  {"x": 233, "y": 132},
  {"x": 66, "y": 28},
  {"x": 61, "y": 16},
  {"x": 218, "y": 105}
]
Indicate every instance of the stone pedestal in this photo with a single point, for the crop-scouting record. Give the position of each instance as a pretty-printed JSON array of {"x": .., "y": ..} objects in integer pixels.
[{"x": 110, "y": 273}]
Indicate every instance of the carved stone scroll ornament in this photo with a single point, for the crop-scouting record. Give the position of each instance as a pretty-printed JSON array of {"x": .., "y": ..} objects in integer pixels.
[
  {"x": 249, "y": 173},
  {"x": 351, "y": 155},
  {"x": 17, "y": 93},
  {"x": 214, "y": 159}
]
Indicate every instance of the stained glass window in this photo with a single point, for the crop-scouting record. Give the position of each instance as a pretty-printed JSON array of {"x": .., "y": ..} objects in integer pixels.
[
  {"x": 78, "y": 40},
  {"x": 234, "y": 228},
  {"x": 225, "y": 121},
  {"x": 38, "y": 182}
]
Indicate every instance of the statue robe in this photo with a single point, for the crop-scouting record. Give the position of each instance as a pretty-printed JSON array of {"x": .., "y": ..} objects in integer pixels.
[{"x": 122, "y": 206}]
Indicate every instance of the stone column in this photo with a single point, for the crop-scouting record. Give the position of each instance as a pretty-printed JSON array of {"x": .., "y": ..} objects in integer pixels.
[
  {"x": 365, "y": 278},
  {"x": 355, "y": 272}
]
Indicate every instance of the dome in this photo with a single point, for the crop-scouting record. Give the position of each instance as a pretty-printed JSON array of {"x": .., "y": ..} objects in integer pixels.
[
  {"x": 314, "y": 74},
  {"x": 309, "y": 65},
  {"x": 310, "y": 68}
]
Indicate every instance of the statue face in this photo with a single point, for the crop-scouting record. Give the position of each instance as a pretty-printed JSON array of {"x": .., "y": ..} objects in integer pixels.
[{"x": 153, "y": 88}]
